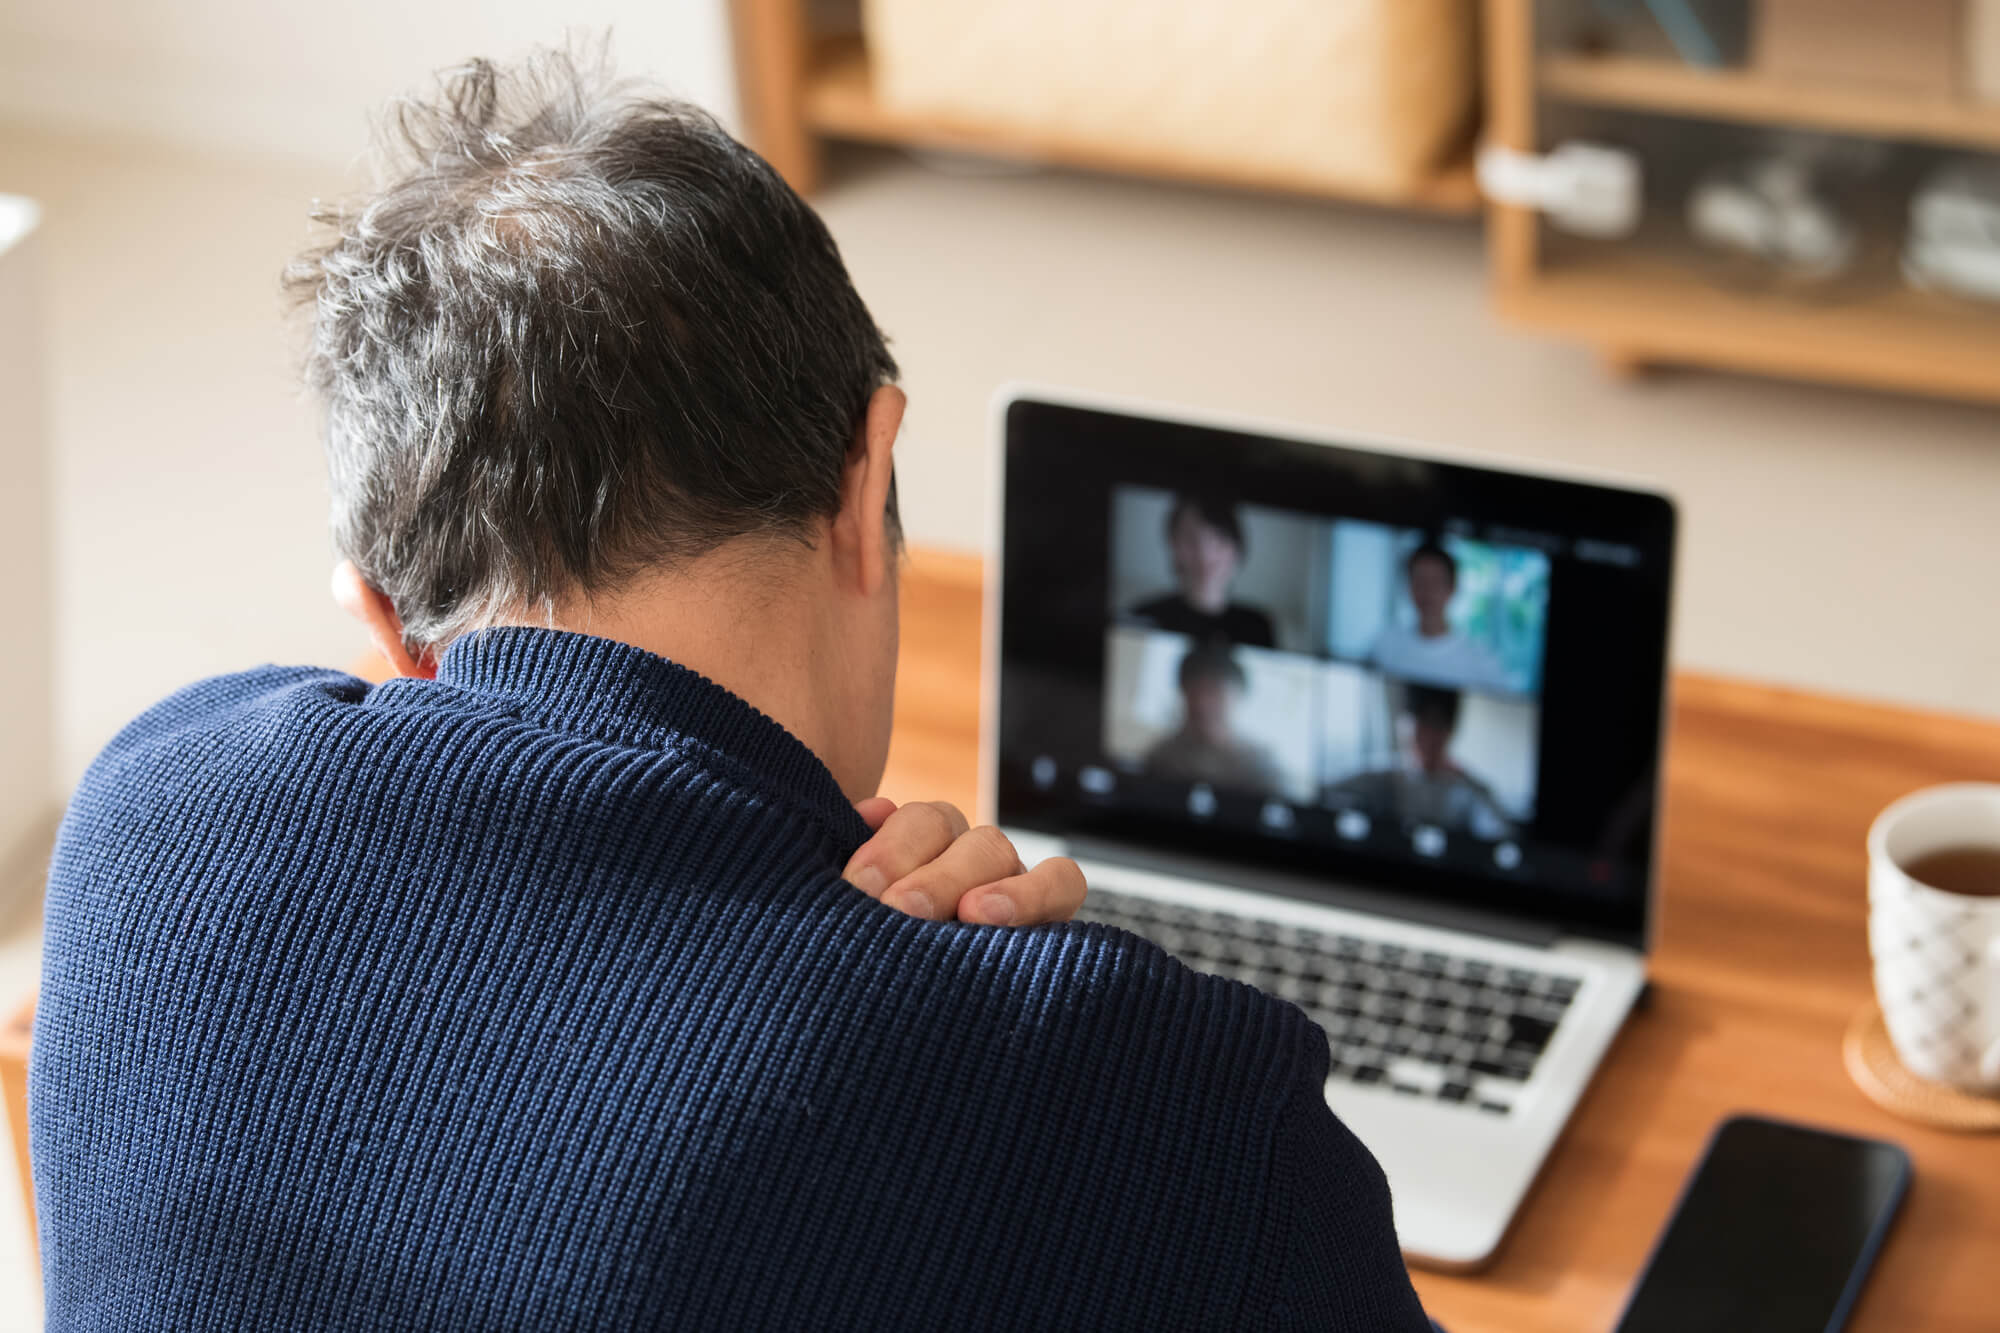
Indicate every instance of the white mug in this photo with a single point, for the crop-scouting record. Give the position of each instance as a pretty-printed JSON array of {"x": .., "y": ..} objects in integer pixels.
[{"x": 1937, "y": 954}]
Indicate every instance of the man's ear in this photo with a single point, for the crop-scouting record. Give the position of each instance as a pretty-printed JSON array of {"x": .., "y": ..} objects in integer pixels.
[
  {"x": 372, "y": 607},
  {"x": 864, "y": 545}
]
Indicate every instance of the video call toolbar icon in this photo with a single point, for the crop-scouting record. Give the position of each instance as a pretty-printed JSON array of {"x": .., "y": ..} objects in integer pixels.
[
  {"x": 1428, "y": 840},
  {"x": 1097, "y": 780},
  {"x": 1201, "y": 800},
  {"x": 1352, "y": 825},
  {"x": 1507, "y": 856},
  {"x": 1278, "y": 817},
  {"x": 1043, "y": 772}
]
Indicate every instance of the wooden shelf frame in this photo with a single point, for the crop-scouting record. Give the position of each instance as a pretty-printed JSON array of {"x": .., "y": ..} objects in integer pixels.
[
  {"x": 1643, "y": 305},
  {"x": 801, "y": 89},
  {"x": 1670, "y": 87}
]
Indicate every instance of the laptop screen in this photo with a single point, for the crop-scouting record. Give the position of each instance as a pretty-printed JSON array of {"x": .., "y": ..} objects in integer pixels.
[{"x": 1415, "y": 676}]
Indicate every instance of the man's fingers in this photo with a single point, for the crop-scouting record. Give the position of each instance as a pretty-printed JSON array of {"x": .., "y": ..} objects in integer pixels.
[
  {"x": 980, "y": 856},
  {"x": 875, "y": 811},
  {"x": 910, "y": 836},
  {"x": 1052, "y": 891}
]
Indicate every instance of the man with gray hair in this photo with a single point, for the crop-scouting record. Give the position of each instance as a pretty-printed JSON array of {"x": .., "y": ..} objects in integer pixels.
[{"x": 575, "y": 978}]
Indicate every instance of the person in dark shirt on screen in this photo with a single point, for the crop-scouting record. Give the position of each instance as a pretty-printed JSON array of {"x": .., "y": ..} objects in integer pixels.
[
  {"x": 1209, "y": 746},
  {"x": 576, "y": 979},
  {"x": 1431, "y": 787},
  {"x": 1205, "y": 541}
]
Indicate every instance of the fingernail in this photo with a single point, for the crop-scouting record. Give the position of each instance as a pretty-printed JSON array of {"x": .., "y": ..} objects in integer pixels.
[
  {"x": 870, "y": 881},
  {"x": 913, "y": 902},
  {"x": 996, "y": 909}
]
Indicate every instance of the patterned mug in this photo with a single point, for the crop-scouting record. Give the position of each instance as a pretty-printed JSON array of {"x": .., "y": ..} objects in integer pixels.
[{"x": 1937, "y": 953}]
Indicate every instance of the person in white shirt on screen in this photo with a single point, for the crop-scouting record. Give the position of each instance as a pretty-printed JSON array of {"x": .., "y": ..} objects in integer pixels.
[
  {"x": 1433, "y": 652},
  {"x": 1431, "y": 787}
]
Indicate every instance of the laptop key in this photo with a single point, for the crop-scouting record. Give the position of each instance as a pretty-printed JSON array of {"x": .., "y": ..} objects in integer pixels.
[
  {"x": 1528, "y": 1034},
  {"x": 1496, "y": 1069}
]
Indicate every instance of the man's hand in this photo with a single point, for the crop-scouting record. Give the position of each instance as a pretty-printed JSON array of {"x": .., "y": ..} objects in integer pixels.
[{"x": 924, "y": 860}]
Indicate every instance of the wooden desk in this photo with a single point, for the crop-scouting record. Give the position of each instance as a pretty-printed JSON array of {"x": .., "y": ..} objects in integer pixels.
[{"x": 1762, "y": 958}]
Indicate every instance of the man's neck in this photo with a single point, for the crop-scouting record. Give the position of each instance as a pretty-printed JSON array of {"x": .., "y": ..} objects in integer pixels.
[{"x": 741, "y": 619}]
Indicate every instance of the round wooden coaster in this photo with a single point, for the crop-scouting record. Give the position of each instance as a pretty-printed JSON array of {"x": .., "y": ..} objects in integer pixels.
[{"x": 1872, "y": 1064}]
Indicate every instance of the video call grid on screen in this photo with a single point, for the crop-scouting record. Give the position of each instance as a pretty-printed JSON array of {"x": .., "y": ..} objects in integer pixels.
[
  {"x": 1471, "y": 657},
  {"x": 1317, "y": 622}
]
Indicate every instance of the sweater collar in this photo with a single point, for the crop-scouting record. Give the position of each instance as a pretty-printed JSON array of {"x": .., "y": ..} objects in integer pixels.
[{"x": 628, "y": 696}]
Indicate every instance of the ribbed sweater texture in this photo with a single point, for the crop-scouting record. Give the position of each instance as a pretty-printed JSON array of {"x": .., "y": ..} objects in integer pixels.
[{"x": 531, "y": 998}]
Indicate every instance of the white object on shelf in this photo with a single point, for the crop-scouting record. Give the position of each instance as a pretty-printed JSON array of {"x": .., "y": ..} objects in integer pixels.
[
  {"x": 1954, "y": 242},
  {"x": 1371, "y": 93},
  {"x": 1587, "y": 188},
  {"x": 1961, "y": 270},
  {"x": 27, "y": 673},
  {"x": 1769, "y": 208},
  {"x": 1959, "y": 202}
]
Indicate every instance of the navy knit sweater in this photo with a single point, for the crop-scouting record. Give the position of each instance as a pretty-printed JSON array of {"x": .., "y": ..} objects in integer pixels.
[{"x": 531, "y": 998}]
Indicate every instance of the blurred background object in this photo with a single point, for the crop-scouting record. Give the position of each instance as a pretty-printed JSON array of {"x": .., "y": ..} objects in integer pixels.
[
  {"x": 1357, "y": 99},
  {"x": 1586, "y": 189},
  {"x": 1370, "y": 95},
  {"x": 1954, "y": 243},
  {"x": 1707, "y": 100},
  {"x": 1881, "y": 90},
  {"x": 1773, "y": 207}
]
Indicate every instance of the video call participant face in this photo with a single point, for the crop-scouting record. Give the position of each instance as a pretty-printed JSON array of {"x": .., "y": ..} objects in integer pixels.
[
  {"x": 1206, "y": 541},
  {"x": 1433, "y": 715},
  {"x": 1433, "y": 578},
  {"x": 1212, "y": 685}
]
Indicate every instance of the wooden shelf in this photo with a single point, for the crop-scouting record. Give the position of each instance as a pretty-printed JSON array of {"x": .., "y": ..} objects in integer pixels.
[
  {"x": 1650, "y": 307},
  {"x": 840, "y": 102},
  {"x": 1673, "y": 88}
]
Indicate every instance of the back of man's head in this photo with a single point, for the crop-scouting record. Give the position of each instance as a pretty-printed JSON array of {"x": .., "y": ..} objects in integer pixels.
[{"x": 578, "y": 334}]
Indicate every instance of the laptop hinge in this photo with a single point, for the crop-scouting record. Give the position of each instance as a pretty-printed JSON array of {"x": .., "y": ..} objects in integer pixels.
[{"x": 1351, "y": 897}]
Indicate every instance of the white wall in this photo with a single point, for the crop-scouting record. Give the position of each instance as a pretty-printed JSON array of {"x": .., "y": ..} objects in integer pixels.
[
  {"x": 298, "y": 78},
  {"x": 27, "y": 682}
]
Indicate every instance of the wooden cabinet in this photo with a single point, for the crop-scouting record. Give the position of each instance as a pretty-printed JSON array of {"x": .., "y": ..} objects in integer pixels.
[{"x": 1649, "y": 302}]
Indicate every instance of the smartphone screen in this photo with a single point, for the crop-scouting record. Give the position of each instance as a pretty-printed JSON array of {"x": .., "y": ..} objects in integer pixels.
[{"x": 1775, "y": 1232}]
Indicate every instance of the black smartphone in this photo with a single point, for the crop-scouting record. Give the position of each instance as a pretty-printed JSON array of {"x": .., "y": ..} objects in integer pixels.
[{"x": 1774, "y": 1232}]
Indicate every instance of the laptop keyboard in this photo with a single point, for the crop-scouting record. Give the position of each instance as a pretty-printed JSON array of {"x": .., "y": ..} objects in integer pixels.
[{"x": 1441, "y": 1026}]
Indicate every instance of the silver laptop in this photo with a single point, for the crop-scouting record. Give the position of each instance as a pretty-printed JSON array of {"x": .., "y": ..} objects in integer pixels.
[{"x": 1376, "y": 730}]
